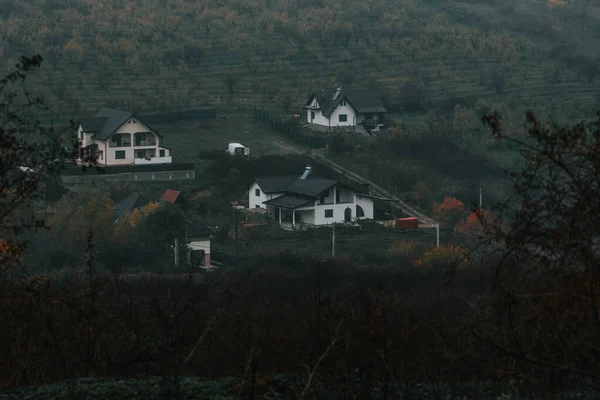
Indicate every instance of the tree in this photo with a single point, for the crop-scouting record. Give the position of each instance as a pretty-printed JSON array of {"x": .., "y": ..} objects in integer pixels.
[
  {"x": 27, "y": 151},
  {"x": 422, "y": 193},
  {"x": 449, "y": 211},
  {"x": 545, "y": 260}
]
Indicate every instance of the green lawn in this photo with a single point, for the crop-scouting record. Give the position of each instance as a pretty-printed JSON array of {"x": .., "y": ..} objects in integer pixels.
[{"x": 187, "y": 139}]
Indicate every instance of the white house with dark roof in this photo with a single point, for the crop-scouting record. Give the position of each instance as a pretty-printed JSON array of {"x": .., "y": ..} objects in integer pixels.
[
  {"x": 353, "y": 109},
  {"x": 118, "y": 137},
  {"x": 306, "y": 199}
]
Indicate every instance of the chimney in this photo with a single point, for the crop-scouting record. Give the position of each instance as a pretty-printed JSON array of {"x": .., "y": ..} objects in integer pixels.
[
  {"x": 306, "y": 172},
  {"x": 337, "y": 93}
]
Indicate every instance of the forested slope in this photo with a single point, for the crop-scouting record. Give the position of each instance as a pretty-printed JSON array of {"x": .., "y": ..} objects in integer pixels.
[{"x": 168, "y": 54}]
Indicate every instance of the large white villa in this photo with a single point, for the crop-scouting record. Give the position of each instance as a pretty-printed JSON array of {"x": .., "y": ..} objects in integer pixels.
[
  {"x": 305, "y": 199},
  {"x": 118, "y": 137}
]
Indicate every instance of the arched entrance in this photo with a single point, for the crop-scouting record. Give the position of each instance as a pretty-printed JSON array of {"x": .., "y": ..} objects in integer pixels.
[{"x": 348, "y": 214}]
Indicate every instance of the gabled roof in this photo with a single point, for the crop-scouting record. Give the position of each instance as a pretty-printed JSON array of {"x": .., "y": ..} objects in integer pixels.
[
  {"x": 92, "y": 124},
  {"x": 311, "y": 186},
  {"x": 276, "y": 184},
  {"x": 290, "y": 201},
  {"x": 107, "y": 121},
  {"x": 128, "y": 204},
  {"x": 362, "y": 100},
  {"x": 197, "y": 228},
  {"x": 171, "y": 196}
]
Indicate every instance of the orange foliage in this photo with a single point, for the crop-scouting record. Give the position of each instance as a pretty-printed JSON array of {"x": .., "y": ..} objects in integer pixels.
[
  {"x": 8, "y": 250},
  {"x": 472, "y": 224},
  {"x": 450, "y": 210},
  {"x": 401, "y": 248},
  {"x": 555, "y": 3},
  {"x": 443, "y": 255}
]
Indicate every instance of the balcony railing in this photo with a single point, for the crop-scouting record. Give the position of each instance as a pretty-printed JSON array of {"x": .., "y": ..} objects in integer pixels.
[
  {"x": 146, "y": 142},
  {"x": 153, "y": 160}
]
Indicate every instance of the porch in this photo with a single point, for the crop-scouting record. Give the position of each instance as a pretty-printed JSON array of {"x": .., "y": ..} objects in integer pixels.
[{"x": 291, "y": 217}]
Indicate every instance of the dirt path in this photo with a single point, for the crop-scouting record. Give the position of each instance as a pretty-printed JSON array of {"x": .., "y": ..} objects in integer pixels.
[{"x": 424, "y": 220}]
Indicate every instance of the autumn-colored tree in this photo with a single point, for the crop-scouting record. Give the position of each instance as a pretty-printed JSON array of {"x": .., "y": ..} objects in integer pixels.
[
  {"x": 450, "y": 211},
  {"x": 447, "y": 257},
  {"x": 422, "y": 193},
  {"x": 472, "y": 225},
  {"x": 130, "y": 221},
  {"x": 403, "y": 249}
]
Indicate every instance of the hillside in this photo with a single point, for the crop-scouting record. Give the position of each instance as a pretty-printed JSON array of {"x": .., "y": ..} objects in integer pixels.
[{"x": 174, "y": 54}]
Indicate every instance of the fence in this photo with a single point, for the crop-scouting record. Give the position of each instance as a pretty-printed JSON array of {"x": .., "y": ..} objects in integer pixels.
[
  {"x": 291, "y": 129},
  {"x": 179, "y": 115}
]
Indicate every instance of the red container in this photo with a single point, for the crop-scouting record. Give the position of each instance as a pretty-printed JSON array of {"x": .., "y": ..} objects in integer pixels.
[{"x": 407, "y": 223}]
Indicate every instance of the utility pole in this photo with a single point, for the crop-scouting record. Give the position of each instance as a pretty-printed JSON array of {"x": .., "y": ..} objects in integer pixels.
[
  {"x": 176, "y": 251},
  {"x": 437, "y": 235},
  {"x": 480, "y": 198},
  {"x": 237, "y": 244},
  {"x": 333, "y": 240}
]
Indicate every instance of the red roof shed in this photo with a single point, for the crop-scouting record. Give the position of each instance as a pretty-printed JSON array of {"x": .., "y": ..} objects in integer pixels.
[
  {"x": 407, "y": 223},
  {"x": 171, "y": 196}
]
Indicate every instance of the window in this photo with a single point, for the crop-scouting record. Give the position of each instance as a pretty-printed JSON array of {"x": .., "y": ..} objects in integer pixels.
[
  {"x": 343, "y": 117},
  {"x": 257, "y": 192},
  {"x": 312, "y": 115},
  {"x": 368, "y": 116},
  {"x": 328, "y": 213},
  {"x": 120, "y": 155},
  {"x": 257, "y": 206},
  {"x": 323, "y": 196},
  {"x": 337, "y": 195},
  {"x": 101, "y": 155},
  {"x": 120, "y": 140},
  {"x": 360, "y": 213},
  {"x": 81, "y": 135},
  {"x": 162, "y": 153},
  {"x": 343, "y": 103}
]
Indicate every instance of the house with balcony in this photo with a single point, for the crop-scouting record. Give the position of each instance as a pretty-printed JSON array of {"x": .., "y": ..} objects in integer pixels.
[
  {"x": 348, "y": 110},
  {"x": 304, "y": 199},
  {"x": 115, "y": 137}
]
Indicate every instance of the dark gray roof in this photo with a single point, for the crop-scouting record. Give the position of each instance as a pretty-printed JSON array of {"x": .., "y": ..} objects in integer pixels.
[
  {"x": 362, "y": 100},
  {"x": 311, "y": 186},
  {"x": 276, "y": 184},
  {"x": 197, "y": 228},
  {"x": 290, "y": 201},
  {"x": 106, "y": 122},
  {"x": 114, "y": 119},
  {"x": 128, "y": 204},
  {"x": 92, "y": 124}
]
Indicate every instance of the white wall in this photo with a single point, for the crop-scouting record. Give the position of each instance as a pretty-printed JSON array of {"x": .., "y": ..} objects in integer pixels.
[
  {"x": 254, "y": 200},
  {"x": 338, "y": 213},
  {"x": 319, "y": 118},
  {"x": 200, "y": 243},
  {"x": 348, "y": 110},
  {"x": 367, "y": 206}
]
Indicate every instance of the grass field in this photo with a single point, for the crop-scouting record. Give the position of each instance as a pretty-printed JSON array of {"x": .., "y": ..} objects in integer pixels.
[
  {"x": 370, "y": 242},
  {"x": 187, "y": 139}
]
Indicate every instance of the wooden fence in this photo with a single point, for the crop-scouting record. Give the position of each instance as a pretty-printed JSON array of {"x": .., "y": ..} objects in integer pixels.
[{"x": 292, "y": 129}]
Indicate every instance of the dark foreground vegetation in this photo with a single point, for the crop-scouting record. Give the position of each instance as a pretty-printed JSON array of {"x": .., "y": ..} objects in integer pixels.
[{"x": 360, "y": 330}]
